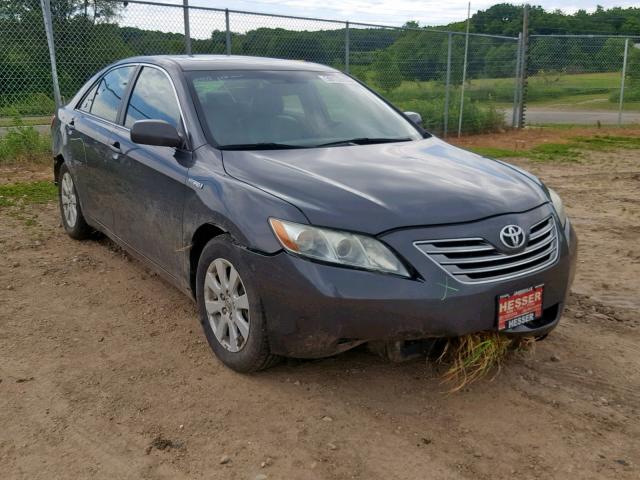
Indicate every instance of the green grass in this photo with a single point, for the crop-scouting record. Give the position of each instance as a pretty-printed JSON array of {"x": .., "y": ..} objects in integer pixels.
[
  {"x": 488, "y": 96},
  {"x": 27, "y": 193},
  {"x": 563, "y": 152},
  {"x": 23, "y": 143},
  {"x": 477, "y": 118},
  {"x": 37, "y": 120},
  {"x": 608, "y": 142},
  {"x": 493, "y": 152},
  {"x": 27, "y": 105},
  {"x": 547, "y": 87},
  {"x": 581, "y": 91},
  {"x": 546, "y": 152}
]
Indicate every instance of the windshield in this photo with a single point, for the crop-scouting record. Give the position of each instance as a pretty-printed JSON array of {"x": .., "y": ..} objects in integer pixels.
[{"x": 293, "y": 109}]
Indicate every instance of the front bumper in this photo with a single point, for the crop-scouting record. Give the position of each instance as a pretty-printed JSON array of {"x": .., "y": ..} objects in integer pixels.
[{"x": 315, "y": 310}]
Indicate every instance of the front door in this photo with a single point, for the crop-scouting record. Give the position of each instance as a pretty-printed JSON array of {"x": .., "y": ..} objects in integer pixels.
[{"x": 151, "y": 180}]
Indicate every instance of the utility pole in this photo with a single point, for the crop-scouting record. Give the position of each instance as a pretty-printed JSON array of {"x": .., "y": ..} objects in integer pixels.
[{"x": 516, "y": 82}]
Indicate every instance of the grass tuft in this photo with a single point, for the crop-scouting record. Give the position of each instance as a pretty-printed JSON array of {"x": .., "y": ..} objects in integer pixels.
[
  {"x": 24, "y": 144},
  {"x": 608, "y": 142},
  {"x": 473, "y": 357},
  {"x": 27, "y": 193},
  {"x": 563, "y": 152},
  {"x": 493, "y": 152}
]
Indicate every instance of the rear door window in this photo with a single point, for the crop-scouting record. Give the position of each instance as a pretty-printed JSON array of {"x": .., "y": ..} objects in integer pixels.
[
  {"x": 153, "y": 98},
  {"x": 110, "y": 91}
]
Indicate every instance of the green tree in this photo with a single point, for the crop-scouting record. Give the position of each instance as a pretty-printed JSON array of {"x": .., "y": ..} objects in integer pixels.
[
  {"x": 633, "y": 64},
  {"x": 62, "y": 10},
  {"x": 609, "y": 57},
  {"x": 500, "y": 61},
  {"x": 386, "y": 73}
]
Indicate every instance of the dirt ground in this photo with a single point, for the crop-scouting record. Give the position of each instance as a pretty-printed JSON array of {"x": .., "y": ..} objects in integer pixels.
[{"x": 104, "y": 372}]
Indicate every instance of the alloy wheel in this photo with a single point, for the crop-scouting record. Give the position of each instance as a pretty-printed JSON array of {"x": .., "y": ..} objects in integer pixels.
[
  {"x": 69, "y": 200},
  {"x": 227, "y": 305}
]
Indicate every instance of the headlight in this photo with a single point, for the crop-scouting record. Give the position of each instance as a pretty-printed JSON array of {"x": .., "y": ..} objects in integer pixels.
[
  {"x": 558, "y": 205},
  {"x": 337, "y": 247}
]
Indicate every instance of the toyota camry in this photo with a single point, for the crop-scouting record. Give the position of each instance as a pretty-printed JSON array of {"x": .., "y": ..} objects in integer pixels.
[{"x": 303, "y": 212}]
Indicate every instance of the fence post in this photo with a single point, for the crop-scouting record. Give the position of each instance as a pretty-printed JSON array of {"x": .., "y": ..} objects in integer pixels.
[
  {"x": 624, "y": 74},
  {"x": 48, "y": 27},
  {"x": 464, "y": 71},
  {"x": 228, "y": 31},
  {"x": 516, "y": 89},
  {"x": 522, "y": 81},
  {"x": 346, "y": 47},
  {"x": 447, "y": 87},
  {"x": 187, "y": 31}
]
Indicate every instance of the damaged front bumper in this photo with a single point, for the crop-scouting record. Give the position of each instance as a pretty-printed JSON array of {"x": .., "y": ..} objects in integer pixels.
[{"x": 315, "y": 310}]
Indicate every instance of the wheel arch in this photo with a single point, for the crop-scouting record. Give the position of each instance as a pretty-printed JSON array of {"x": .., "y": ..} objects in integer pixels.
[
  {"x": 203, "y": 234},
  {"x": 58, "y": 160}
]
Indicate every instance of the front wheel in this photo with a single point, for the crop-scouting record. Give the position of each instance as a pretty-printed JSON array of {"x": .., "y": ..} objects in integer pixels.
[
  {"x": 230, "y": 309},
  {"x": 70, "y": 210}
]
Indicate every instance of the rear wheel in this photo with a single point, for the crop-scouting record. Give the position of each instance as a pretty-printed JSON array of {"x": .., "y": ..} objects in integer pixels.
[
  {"x": 70, "y": 210},
  {"x": 230, "y": 309}
]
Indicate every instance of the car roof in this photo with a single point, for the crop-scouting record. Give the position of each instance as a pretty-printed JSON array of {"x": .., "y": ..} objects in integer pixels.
[{"x": 228, "y": 62}]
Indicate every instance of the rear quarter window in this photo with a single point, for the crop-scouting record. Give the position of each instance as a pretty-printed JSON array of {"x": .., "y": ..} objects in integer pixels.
[
  {"x": 87, "y": 101},
  {"x": 110, "y": 90}
]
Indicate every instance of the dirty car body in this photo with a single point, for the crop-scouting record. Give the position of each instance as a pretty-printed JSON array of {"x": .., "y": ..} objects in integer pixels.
[{"x": 442, "y": 234}]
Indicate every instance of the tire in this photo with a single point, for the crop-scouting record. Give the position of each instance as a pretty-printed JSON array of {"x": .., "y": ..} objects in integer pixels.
[
  {"x": 231, "y": 311},
  {"x": 70, "y": 211}
]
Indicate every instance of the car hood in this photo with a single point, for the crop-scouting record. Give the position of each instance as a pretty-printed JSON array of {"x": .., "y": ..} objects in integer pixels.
[{"x": 374, "y": 188}]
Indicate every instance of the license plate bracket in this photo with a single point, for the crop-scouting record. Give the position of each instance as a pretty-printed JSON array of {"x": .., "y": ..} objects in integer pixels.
[{"x": 520, "y": 307}]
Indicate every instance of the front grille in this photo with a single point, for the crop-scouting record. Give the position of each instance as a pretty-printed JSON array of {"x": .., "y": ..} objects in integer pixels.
[{"x": 474, "y": 260}]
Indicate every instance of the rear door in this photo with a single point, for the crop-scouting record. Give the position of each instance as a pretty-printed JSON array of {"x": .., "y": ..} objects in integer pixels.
[
  {"x": 90, "y": 140},
  {"x": 151, "y": 180}
]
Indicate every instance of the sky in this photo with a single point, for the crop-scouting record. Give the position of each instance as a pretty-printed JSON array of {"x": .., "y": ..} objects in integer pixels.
[
  {"x": 393, "y": 12},
  {"x": 380, "y": 12}
]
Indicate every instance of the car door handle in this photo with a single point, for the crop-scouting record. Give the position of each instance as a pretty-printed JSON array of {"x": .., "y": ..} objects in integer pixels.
[
  {"x": 115, "y": 146},
  {"x": 72, "y": 124}
]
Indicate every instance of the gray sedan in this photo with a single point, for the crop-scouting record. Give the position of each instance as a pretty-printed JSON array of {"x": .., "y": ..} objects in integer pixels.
[{"x": 304, "y": 213}]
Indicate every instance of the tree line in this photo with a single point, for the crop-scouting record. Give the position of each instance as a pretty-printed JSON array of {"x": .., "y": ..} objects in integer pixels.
[{"x": 88, "y": 37}]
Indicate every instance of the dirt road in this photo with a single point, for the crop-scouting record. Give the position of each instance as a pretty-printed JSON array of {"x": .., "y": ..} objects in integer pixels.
[{"x": 104, "y": 373}]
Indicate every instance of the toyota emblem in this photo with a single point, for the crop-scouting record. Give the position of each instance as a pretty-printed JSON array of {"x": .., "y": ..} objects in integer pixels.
[{"x": 512, "y": 236}]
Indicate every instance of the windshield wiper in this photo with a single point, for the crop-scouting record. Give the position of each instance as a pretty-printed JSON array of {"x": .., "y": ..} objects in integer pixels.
[
  {"x": 365, "y": 141},
  {"x": 260, "y": 146}
]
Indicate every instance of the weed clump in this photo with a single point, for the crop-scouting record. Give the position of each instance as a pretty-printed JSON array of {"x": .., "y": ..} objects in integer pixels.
[
  {"x": 472, "y": 357},
  {"x": 23, "y": 143}
]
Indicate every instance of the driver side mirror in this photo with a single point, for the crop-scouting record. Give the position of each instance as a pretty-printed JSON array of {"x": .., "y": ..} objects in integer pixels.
[
  {"x": 155, "y": 132},
  {"x": 415, "y": 117}
]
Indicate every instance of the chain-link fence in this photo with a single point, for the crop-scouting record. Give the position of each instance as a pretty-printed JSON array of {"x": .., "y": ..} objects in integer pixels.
[
  {"x": 583, "y": 79},
  {"x": 418, "y": 69},
  {"x": 25, "y": 71}
]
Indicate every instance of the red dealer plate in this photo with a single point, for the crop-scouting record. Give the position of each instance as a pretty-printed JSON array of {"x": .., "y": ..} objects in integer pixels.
[{"x": 519, "y": 307}]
